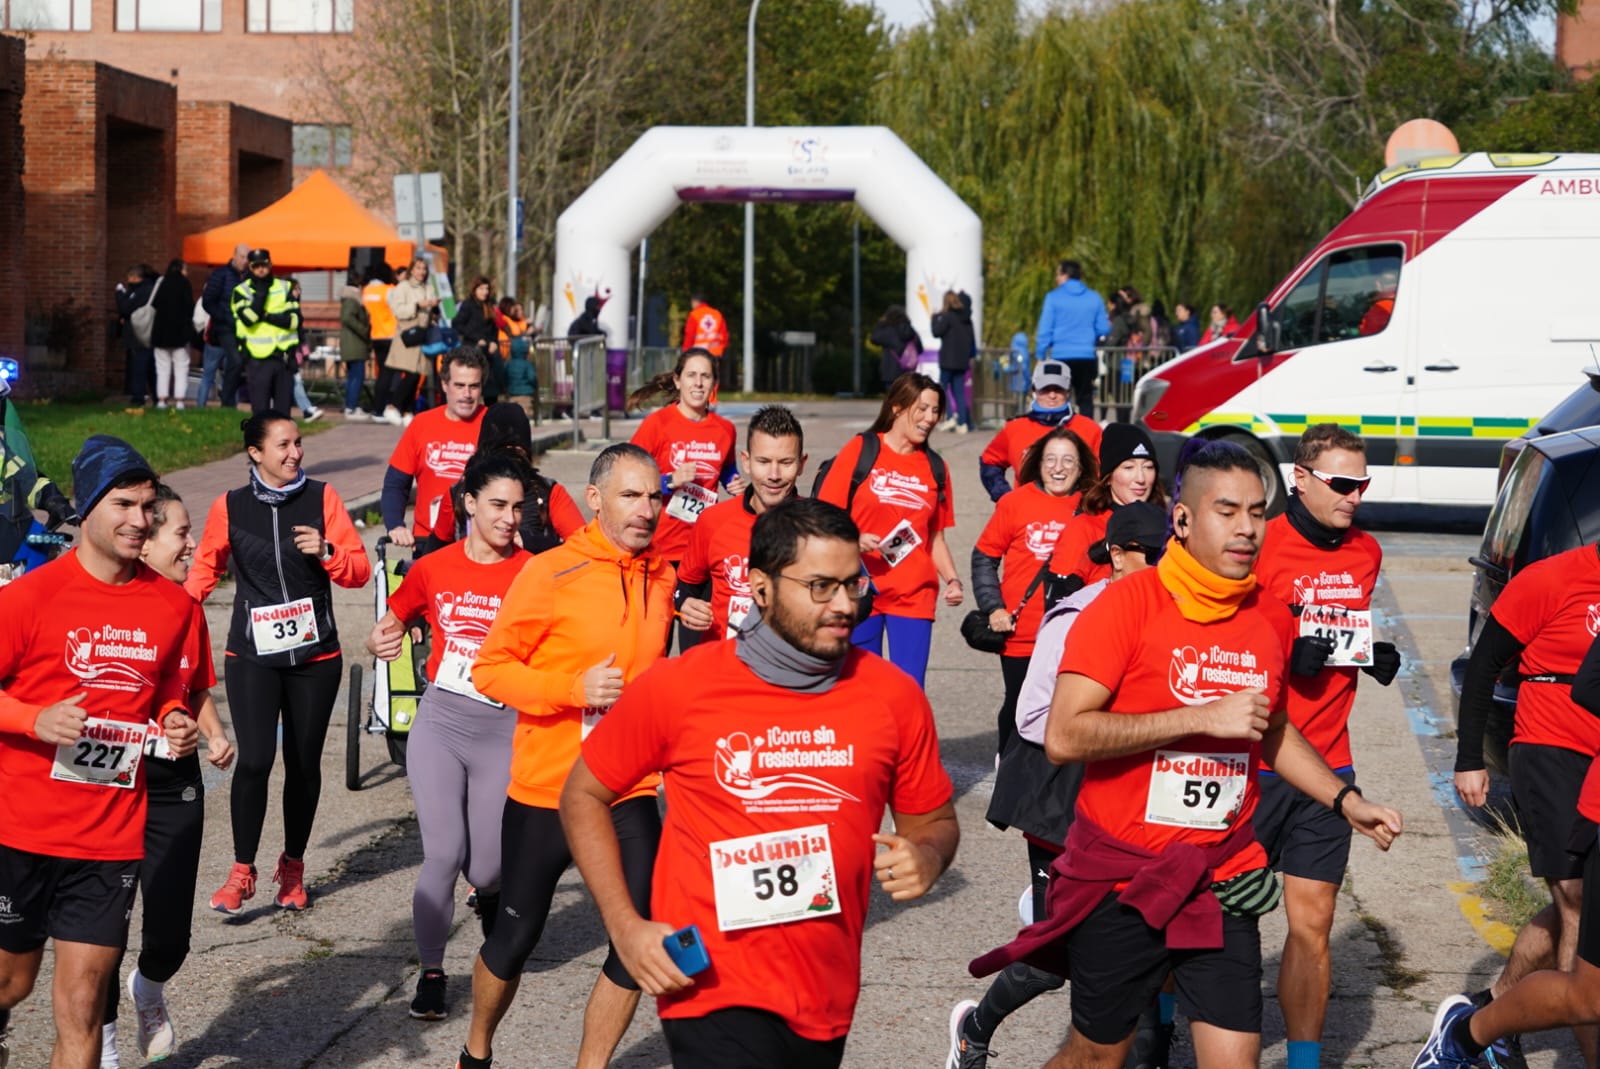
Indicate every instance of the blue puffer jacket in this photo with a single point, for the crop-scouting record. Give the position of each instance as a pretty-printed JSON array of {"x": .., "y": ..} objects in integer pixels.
[{"x": 1072, "y": 318}]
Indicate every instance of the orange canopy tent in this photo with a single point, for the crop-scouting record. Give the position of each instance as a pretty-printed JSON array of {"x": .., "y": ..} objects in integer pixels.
[{"x": 312, "y": 227}]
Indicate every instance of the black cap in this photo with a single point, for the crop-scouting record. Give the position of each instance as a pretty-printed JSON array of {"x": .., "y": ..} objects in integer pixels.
[
  {"x": 1124, "y": 441},
  {"x": 259, "y": 256},
  {"x": 102, "y": 462},
  {"x": 1136, "y": 525}
]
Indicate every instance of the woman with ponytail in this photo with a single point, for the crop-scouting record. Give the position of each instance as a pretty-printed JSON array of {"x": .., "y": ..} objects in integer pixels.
[
  {"x": 458, "y": 759},
  {"x": 289, "y": 539}
]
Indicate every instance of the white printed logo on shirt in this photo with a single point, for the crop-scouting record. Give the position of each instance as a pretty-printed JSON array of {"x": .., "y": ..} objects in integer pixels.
[
  {"x": 761, "y": 769},
  {"x": 100, "y": 657},
  {"x": 1594, "y": 618},
  {"x": 902, "y": 491},
  {"x": 1196, "y": 678},
  {"x": 1040, "y": 537},
  {"x": 448, "y": 460},
  {"x": 705, "y": 456}
]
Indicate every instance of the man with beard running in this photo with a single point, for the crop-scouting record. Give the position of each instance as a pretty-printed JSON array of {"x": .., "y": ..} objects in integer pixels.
[
  {"x": 714, "y": 579},
  {"x": 780, "y": 749}
]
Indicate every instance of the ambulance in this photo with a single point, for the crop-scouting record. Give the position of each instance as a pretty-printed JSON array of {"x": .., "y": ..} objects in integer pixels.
[{"x": 1456, "y": 304}]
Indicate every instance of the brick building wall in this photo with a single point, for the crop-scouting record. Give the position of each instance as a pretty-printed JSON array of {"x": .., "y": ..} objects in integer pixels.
[
  {"x": 100, "y": 166},
  {"x": 13, "y": 79},
  {"x": 1578, "y": 39},
  {"x": 232, "y": 162}
]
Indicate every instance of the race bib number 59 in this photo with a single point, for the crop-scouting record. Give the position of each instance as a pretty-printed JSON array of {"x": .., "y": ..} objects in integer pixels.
[
  {"x": 106, "y": 754},
  {"x": 776, "y": 878},
  {"x": 1196, "y": 790}
]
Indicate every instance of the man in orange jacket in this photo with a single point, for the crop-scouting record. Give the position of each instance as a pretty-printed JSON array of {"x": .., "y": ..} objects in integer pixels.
[
  {"x": 579, "y": 622},
  {"x": 706, "y": 329}
]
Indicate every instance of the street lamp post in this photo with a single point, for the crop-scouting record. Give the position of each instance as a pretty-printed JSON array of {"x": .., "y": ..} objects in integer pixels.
[
  {"x": 510, "y": 283},
  {"x": 750, "y": 213}
]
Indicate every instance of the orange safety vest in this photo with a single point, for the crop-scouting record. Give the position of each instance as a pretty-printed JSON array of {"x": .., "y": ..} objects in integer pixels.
[
  {"x": 706, "y": 329},
  {"x": 375, "y": 296}
]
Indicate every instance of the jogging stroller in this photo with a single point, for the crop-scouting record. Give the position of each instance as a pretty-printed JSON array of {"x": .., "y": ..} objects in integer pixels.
[{"x": 396, "y": 686}]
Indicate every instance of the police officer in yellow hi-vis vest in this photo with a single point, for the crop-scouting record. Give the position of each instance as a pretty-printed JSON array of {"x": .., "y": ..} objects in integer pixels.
[{"x": 267, "y": 321}]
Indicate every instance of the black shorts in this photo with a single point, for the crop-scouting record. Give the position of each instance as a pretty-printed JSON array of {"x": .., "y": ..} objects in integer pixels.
[
  {"x": 1302, "y": 837},
  {"x": 1118, "y": 964},
  {"x": 1545, "y": 782},
  {"x": 63, "y": 899},
  {"x": 533, "y": 857},
  {"x": 743, "y": 1038},
  {"x": 1589, "y": 918}
]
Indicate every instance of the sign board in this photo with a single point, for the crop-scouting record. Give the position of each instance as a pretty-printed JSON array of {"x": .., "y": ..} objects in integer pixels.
[
  {"x": 419, "y": 206},
  {"x": 798, "y": 338}
]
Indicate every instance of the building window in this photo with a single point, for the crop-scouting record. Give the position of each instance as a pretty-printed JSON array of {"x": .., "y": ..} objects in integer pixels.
[
  {"x": 300, "y": 16},
  {"x": 321, "y": 146},
  {"x": 44, "y": 14},
  {"x": 171, "y": 16}
]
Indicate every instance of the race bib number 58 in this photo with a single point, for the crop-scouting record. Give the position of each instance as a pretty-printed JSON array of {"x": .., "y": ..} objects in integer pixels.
[{"x": 776, "y": 878}]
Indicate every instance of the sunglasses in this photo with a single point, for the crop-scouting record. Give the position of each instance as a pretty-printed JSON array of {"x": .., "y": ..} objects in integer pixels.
[{"x": 1340, "y": 484}]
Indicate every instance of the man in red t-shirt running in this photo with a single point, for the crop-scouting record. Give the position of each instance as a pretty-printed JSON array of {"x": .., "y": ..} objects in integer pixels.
[
  {"x": 1318, "y": 563},
  {"x": 91, "y": 650},
  {"x": 1172, "y": 693},
  {"x": 780, "y": 750},
  {"x": 714, "y": 579},
  {"x": 434, "y": 451}
]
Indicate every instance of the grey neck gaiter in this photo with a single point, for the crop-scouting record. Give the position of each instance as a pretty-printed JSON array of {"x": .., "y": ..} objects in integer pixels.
[{"x": 774, "y": 660}]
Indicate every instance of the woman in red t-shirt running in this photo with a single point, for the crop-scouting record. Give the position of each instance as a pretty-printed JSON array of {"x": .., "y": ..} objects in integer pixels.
[
  {"x": 1127, "y": 473},
  {"x": 902, "y": 507},
  {"x": 1015, "y": 547},
  {"x": 459, "y": 758}
]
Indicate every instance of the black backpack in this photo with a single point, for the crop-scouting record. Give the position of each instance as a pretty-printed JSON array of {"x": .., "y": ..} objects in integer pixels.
[{"x": 868, "y": 457}]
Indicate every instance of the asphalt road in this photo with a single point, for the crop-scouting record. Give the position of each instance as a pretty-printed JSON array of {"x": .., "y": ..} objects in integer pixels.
[{"x": 330, "y": 987}]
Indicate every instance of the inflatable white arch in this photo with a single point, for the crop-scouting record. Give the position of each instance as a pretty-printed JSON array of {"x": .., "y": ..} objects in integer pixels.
[{"x": 941, "y": 236}]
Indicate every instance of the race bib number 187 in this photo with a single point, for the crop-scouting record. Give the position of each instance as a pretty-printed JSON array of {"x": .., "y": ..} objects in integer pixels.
[{"x": 1350, "y": 629}]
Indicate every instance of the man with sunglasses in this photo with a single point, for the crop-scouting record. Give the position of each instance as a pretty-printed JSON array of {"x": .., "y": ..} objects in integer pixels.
[
  {"x": 780, "y": 749},
  {"x": 1324, "y": 568}
]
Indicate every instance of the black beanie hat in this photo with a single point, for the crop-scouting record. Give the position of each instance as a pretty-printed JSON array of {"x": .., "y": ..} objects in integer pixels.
[{"x": 1125, "y": 441}]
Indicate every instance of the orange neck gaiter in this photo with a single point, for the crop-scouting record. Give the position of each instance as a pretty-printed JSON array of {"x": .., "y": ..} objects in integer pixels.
[{"x": 1202, "y": 596}]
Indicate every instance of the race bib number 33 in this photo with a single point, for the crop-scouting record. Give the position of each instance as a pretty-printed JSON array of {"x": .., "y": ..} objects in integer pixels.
[
  {"x": 776, "y": 878},
  {"x": 106, "y": 755},
  {"x": 276, "y": 628},
  {"x": 1196, "y": 790}
]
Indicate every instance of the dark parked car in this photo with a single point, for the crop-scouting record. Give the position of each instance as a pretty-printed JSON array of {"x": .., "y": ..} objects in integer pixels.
[
  {"x": 1581, "y": 408},
  {"x": 1549, "y": 502}
]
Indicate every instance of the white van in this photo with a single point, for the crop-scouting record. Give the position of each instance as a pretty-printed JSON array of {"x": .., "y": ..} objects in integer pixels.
[{"x": 1453, "y": 307}]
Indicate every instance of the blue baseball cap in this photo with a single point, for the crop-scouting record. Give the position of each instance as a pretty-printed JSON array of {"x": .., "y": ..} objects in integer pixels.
[{"x": 100, "y": 464}]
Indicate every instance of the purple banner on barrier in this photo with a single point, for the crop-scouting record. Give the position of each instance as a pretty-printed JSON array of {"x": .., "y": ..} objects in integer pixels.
[
  {"x": 741, "y": 194},
  {"x": 616, "y": 378}
]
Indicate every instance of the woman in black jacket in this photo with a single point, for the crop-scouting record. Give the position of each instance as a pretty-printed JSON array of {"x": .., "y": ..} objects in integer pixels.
[
  {"x": 894, "y": 333},
  {"x": 171, "y": 334},
  {"x": 475, "y": 322},
  {"x": 133, "y": 293},
  {"x": 953, "y": 325}
]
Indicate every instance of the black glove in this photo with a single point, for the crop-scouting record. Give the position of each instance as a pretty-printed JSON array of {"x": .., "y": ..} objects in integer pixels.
[
  {"x": 258, "y": 297},
  {"x": 1385, "y": 663},
  {"x": 57, "y": 507},
  {"x": 1309, "y": 653},
  {"x": 283, "y": 320}
]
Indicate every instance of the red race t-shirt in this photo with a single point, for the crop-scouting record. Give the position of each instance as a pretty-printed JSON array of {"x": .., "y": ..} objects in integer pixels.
[
  {"x": 434, "y": 450},
  {"x": 1071, "y": 556},
  {"x": 1133, "y": 641},
  {"x": 899, "y": 487},
  {"x": 719, "y": 550},
  {"x": 64, "y": 632},
  {"x": 745, "y": 760},
  {"x": 1023, "y": 532},
  {"x": 1300, "y": 574},
  {"x": 460, "y": 599},
  {"x": 1552, "y": 607},
  {"x": 674, "y": 439},
  {"x": 1005, "y": 449}
]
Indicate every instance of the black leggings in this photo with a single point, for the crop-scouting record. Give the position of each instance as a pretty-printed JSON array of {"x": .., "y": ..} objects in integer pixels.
[
  {"x": 533, "y": 856},
  {"x": 173, "y": 830},
  {"x": 257, "y": 695},
  {"x": 1014, "y": 670}
]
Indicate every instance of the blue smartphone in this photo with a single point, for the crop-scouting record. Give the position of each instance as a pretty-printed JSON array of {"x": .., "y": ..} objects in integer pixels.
[{"x": 687, "y": 951}]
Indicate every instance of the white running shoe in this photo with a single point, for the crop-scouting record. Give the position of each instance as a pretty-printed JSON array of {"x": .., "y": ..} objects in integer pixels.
[
  {"x": 356, "y": 415},
  {"x": 405, "y": 420},
  {"x": 391, "y": 415},
  {"x": 156, "y": 1038}
]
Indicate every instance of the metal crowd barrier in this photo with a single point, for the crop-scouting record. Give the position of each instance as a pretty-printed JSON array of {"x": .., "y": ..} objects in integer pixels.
[
  {"x": 571, "y": 381},
  {"x": 1001, "y": 383},
  {"x": 1120, "y": 368}
]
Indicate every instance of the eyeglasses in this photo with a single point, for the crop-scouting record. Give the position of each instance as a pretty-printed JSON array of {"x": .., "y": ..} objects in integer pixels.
[
  {"x": 1339, "y": 484},
  {"x": 1053, "y": 462},
  {"x": 823, "y": 590}
]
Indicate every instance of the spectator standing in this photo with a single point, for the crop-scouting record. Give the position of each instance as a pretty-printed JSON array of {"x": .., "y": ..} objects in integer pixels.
[
  {"x": 375, "y": 298},
  {"x": 953, "y": 325},
  {"x": 588, "y": 325},
  {"x": 413, "y": 302},
  {"x": 297, "y": 361},
  {"x": 171, "y": 334},
  {"x": 267, "y": 319},
  {"x": 901, "y": 345},
  {"x": 1071, "y": 320},
  {"x": 355, "y": 345},
  {"x": 1223, "y": 325},
  {"x": 220, "y": 357},
  {"x": 476, "y": 323},
  {"x": 1186, "y": 329},
  {"x": 516, "y": 343},
  {"x": 133, "y": 293}
]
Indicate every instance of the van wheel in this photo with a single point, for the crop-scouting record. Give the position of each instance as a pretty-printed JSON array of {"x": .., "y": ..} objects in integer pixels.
[{"x": 1277, "y": 496}]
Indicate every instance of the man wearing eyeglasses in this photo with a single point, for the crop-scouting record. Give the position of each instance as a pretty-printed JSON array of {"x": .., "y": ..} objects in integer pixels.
[
  {"x": 580, "y": 622},
  {"x": 1323, "y": 567},
  {"x": 780, "y": 748}
]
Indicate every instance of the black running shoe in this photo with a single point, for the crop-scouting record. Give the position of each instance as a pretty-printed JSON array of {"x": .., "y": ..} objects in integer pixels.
[{"x": 429, "y": 1005}]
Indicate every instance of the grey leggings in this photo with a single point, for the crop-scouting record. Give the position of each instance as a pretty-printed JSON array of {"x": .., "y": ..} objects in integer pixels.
[{"x": 459, "y": 765}]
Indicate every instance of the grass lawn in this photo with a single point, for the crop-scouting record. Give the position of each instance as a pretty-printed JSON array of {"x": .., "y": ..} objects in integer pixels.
[{"x": 170, "y": 440}]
